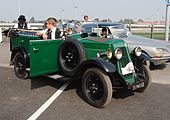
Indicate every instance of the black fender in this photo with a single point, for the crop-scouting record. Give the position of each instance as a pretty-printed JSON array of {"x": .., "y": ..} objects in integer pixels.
[
  {"x": 108, "y": 67},
  {"x": 142, "y": 59},
  {"x": 23, "y": 51},
  {"x": 145, "y": 59}
]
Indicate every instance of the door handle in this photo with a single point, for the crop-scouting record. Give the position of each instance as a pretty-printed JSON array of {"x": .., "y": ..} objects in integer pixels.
[
  {"x": 22, "y": 41},
  {"x": 35, "y": 49}
]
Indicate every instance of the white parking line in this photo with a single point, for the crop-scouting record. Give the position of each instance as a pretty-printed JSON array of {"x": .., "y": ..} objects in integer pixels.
[
  {"x": 49, "y": 102},
  {"x": 5, "y": 65},
  {"x": 162, "y": 82}
]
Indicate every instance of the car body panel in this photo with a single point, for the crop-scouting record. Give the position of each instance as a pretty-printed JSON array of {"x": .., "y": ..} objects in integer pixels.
[{"x": 43, "y": 56}]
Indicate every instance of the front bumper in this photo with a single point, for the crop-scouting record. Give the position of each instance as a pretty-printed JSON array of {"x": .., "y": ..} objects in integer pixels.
[
  {"x": 159, "y": 61},
  {"x": 137, "y": 85}
]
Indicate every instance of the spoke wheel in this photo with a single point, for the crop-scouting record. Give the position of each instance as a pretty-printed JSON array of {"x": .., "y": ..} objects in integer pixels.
[
  {"x": 97, "y": 87},
  {"x": 144, "y": 74}
]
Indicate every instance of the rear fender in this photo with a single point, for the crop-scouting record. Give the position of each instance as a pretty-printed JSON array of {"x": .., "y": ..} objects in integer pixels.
[{"x": 23, "y": 51}]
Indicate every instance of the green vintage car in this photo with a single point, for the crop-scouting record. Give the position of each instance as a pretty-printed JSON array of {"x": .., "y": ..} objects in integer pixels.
[{"x": 103, "y": 64}]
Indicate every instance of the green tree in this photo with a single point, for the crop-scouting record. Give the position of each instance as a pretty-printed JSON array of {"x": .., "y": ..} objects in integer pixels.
[
  {"x": 3, "y": 21},
  {"x": 140, "y": 21},
  {"x": 106, "y": 20},
  {"x": 32, "y": 20},
  {"x": 15, "y": 21},
  {"x": 127, "y": 21}
]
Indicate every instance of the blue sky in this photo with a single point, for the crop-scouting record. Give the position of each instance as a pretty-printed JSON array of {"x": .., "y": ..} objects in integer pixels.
[{"x": 75, "y": 9}]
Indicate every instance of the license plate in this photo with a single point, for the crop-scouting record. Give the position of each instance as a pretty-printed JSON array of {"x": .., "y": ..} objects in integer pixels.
[
  {"x": 137, "y": 86},
  {"x": 129, "y": 68}
]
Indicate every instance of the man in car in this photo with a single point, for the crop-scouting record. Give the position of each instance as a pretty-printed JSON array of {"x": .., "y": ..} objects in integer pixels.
[
  {"x": 51, "y": 31},
  {"x": 86, "y": 19},
  {"x": 104, "y": 32}
]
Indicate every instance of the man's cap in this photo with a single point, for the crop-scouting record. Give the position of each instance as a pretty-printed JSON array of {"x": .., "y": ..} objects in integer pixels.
[{"x": 21, "y": 17}]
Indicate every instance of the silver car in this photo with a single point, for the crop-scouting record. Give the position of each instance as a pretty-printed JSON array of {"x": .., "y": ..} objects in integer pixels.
[{"x": 157, "y": 50}]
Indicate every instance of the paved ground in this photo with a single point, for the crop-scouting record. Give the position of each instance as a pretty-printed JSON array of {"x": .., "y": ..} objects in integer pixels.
[
  {"x": 20, "y": 99},
  {"x": 5, "y": 54}
]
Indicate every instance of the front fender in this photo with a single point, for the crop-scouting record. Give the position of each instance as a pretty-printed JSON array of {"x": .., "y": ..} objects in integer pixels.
[
  {"x": 108, "y": 67},
  {"x": 143, "y": 59}
]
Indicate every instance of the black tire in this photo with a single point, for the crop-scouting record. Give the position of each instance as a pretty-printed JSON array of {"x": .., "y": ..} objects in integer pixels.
[
  {"x": 20, "y": 66},
  {"x": 71, "y": 54},
  {"x": 97, "y": 87},
  {"x": 144, "y": 75}
]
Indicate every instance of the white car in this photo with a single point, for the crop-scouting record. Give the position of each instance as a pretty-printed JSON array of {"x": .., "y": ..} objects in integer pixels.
[{"x": 157, "y": 50}]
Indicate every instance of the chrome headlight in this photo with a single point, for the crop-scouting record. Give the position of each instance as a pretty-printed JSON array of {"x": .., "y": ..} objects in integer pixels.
[
  {"x": 138, "y": 51},
  {"x": 69, "y": 30},
  {"x": 118, "y": 53},
  {"x": 161, "y": 51}
]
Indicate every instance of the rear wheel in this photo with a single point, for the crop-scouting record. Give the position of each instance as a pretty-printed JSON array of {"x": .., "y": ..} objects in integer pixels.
[
  {"x": 97, "y": 87},
  {"x": 20, "y": 66},
  {"x": 144, "y": 75}
]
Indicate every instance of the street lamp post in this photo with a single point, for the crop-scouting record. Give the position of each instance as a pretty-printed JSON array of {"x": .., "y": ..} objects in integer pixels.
[
  {"x": 63, "y": 14},
  {"x": 19, "y": 7},
  {"x": 75, "y": 12},
  {"x": 167, "y": 21}
]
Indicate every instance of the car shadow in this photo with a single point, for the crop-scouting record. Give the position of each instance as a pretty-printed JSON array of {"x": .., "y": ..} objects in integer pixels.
[
  {"x": 42, "y": 81},
  {"x": 122, "y": 93},
  {"x": 118, "y": 94},
  {"x": 158, "y": 67}
]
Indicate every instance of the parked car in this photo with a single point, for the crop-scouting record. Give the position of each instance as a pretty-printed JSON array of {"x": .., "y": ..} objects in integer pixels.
[
  {"x": 103, "y": 64},
  {"x": 157, "y": 50}
]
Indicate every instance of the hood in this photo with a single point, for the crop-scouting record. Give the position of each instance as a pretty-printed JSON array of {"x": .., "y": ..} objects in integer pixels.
[{"x": 138, "y": 40}]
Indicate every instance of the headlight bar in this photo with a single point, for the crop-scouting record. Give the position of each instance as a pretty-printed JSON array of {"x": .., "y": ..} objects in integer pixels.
[{"x": 118, "y": 53}]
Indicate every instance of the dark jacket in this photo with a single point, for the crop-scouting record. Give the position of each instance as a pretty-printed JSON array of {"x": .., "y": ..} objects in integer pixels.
[
  {"x": 22, "y": 26},
  {"x": 57, "y": 33}
]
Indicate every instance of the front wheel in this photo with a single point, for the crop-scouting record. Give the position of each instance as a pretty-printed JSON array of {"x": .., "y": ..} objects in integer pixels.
[
  {"x": 144, "y": 75},
  {"x": 97, "y": 87},
  {"x": 20, "y": 66}
]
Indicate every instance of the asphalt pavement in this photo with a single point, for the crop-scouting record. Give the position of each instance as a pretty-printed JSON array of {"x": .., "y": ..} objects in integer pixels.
[{"x": 4, "y": 54}]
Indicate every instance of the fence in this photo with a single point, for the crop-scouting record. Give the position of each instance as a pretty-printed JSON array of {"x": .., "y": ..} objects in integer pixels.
[
  {"x": 143, "y": 30},
  {"x": 152, "y": 31}
]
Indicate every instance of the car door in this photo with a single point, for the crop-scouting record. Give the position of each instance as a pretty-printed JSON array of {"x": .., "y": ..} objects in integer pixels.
[{"x": 43, "y": 56}]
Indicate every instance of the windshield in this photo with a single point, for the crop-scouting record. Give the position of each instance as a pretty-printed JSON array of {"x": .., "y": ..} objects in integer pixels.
[
  {"x": 120, "y": 31},
  {"x": 73, "y": 25},
  {"x": 117, "y": 30}
]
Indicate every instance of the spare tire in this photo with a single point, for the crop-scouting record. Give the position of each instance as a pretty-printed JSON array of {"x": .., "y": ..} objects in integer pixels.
[{"x": 70, "y": 55}]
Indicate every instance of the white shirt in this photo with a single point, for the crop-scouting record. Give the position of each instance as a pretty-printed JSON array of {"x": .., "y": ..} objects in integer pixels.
[{"x": 52, "y": 32}]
